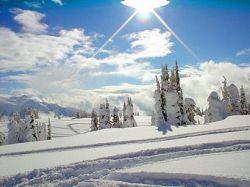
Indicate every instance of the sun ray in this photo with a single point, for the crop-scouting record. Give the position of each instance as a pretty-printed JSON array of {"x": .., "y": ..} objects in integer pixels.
[
  {"x": 175, "y": 35},
  {"x": 115, "y": 33}
]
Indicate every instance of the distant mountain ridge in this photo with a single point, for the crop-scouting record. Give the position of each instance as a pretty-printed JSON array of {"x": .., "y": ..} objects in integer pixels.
[{"x": 8, "y": 105}]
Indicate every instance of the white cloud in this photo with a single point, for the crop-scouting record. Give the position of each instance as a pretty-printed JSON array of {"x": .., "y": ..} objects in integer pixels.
[
  {"x": 26, "y": 51},
  {"x": 143, "y": 43},
  {"x": 199, "y": 81},
  {"x": 243, "y": 52},
  {"x": 30, "y": 21},
  {"x": 134, "y": 63}
]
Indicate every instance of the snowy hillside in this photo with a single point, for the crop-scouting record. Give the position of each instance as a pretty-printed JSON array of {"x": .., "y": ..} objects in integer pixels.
[{"x": 216, "y": 154}]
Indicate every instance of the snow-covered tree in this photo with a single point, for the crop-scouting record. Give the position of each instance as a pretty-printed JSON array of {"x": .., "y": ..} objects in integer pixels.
[
  {"x": 94, "y": 121},
  {"x": 41, "y": 131},
  {"x": 104, "y": 116},
  {"x": 13, "y": 129},
  {"x": 215, "y": 110},
  {"x": 243, "y": 102},
  {"x": 169, "y": 104},
  {"x": 49, "y": 130},
  {"x": 130, "y": 113},
  {"x": 125, "y": 117},
  {"x": 234, "y": 98},
  {"x": 116, "y": 120},
  {"x": 159, "y": 106},
  {"x": 190, "y": 111},
  {"x": 174, "y": 99},
  {"x": 231, "y": 98},
  {"x": 2, "y": 138},
  {"x": 173, "y": 109},
  {"x": 225, "y": 96},
  {"x": 26, "y": 130}
]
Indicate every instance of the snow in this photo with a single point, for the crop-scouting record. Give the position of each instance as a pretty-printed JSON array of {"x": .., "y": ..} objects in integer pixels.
[
  {"x": 101, "y": 157},
  {"x": 232, "y": 165}
]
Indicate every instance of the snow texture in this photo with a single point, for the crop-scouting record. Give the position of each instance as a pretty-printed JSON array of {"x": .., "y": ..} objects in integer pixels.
[{"x": 132, "y": 158}]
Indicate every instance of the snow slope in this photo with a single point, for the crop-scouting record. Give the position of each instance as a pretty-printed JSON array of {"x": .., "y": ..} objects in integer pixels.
[{"x": 114, "y": 156}]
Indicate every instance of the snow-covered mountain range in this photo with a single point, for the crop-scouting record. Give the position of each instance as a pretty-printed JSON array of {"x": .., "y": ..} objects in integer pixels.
[{"x": 8, "y": 105}]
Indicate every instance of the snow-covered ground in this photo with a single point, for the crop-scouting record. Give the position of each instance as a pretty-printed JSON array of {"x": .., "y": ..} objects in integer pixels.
[{"x": 216, "y": 154}]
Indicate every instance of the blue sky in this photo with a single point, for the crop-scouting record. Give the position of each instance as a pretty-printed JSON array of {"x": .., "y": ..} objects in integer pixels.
[{"x": 46, "y": 46}]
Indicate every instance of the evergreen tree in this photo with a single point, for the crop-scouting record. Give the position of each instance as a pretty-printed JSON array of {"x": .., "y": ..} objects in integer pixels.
[
  {"x": 190, "y": 111},
  {"x": 49, "y": 130},
  {"x": 2, "y": 138},
  {"x": 130, "y": 122},
  {"x": 184, "y": 118},
  {"x": 177, "y": 77},
  {"x": 224, "y": 90},
  {"x": 104, "y": 116},
  {"x": 116, "y": 120},
  {"x": 163, "y": 90},
  {"x": 234, "y": 98},
  {"x": 94, "y": 121},
  {"x": 164, "y": 78},
  {"x": 28, "y": 130},
  {"x": 243, "y": 102},
  {"x": 14, "y": 128},
  {"x": 172, "y": 81},
  {"x": 216, "y": 110},
  {"x": 125, "y": 117},
  {"x": 159, "y": 110},
  {"x": 41, "y": 131}
]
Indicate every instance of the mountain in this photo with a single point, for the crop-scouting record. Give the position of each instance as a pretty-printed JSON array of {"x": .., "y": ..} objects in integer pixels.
[{"x": 8, "y": 105}]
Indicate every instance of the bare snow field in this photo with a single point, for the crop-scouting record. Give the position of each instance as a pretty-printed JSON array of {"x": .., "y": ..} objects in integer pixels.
[{"x": 217, "y": 154}]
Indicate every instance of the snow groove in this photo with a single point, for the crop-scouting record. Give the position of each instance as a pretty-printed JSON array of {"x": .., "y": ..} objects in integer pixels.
[
  {"x": 186, "y": 135},
  {"x": 106, "y": 168}
]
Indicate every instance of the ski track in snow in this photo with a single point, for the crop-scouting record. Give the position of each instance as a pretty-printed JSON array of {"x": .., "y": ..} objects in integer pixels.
[
  {"x": 186, "y": 135},
  {"x": 72, "y": 129},
  {"x": 105, "y": 171}
]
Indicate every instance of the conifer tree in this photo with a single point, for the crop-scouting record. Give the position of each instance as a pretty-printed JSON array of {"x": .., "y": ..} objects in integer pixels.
[
  {"x": 177, "y": 77},
  {"x": 158, "y": 117},
  {"x": 94, "y": 121},
  {"x": 216, "y": 110},
  {"x": 172, "y": 81},
  {"x": 190, "y": 111},
  {"x": 49, "y": 130},
  {"x": 243, "y": 101},
  {"x": 164, "y": 78},
  {"x": 2, "y": 138},
  {"x": 130, "y": 113},
  {"x": 104, "y": 116},
  {"x": 125, "y": 117},
  {"x": 116, "y": 120},
  {"x": 234, "y": 100}
]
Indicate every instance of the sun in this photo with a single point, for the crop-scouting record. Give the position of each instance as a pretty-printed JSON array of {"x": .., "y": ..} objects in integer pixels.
[{"x": 145, "y": 7}]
